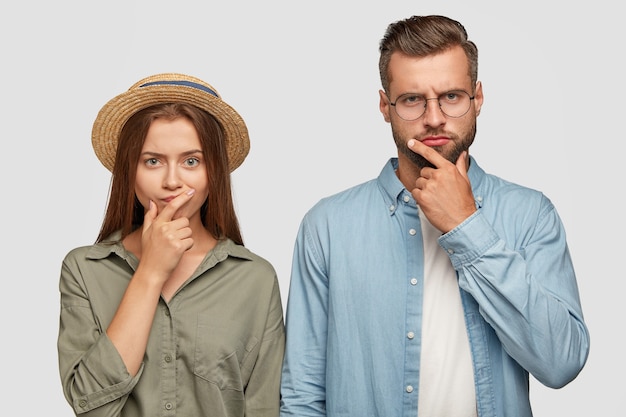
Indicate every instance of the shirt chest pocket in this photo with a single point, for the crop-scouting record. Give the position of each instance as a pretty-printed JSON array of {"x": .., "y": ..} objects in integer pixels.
[{"x": 224, "y": 355}]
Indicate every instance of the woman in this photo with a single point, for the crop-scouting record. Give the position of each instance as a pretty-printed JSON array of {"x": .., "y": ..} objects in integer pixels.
[{"x": 168, "y": 313}]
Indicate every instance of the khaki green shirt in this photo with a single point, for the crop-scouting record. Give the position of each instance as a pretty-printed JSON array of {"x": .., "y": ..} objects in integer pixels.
[{"x": 215, "y": 349}]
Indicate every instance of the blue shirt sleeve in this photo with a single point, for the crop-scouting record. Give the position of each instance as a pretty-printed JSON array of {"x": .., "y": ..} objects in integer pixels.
[
  {"x": 526, "y": 289},
  {"x": 304, "y": 366}
]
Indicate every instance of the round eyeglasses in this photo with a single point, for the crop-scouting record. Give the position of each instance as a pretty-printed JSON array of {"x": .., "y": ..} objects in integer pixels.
[{"x": 411, "y": 106}]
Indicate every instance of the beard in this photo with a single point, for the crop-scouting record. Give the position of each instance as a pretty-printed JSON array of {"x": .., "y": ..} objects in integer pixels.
[{"x": 458, "y": 143}]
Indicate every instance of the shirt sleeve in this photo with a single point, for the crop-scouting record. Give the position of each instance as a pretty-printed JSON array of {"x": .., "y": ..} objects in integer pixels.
[
  {"x": 94, "y": 378},
  {"x": 263, "y": 389},
  {"x": 525, "y": 286},
  {"x": 303, "y": 390}
]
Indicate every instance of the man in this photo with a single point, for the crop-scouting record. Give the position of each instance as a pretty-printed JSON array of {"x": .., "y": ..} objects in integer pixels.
[{"x": 436, "y": 288}]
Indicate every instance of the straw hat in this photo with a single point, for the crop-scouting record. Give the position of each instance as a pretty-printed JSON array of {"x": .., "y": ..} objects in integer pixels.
[{"x": 167, "y": 88}]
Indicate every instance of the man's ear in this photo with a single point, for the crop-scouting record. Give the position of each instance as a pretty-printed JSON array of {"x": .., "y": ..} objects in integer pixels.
[{"x": 384, "y": 105}]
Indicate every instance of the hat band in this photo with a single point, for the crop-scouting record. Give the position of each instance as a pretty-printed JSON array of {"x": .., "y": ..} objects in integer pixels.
[{"x": 185, "y": 83}]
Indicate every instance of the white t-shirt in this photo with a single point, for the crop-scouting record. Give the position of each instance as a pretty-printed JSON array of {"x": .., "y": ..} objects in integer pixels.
[{"x": 446, "y": 386}]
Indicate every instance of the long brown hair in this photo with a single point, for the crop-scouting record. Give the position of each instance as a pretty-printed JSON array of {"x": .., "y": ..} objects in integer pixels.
[
  {"x": 125, "y": 213},
  {"x": 421, "y": 36}
]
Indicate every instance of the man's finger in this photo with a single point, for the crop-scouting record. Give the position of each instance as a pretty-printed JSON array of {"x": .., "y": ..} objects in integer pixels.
[
  {"x": 427, "y": 152},
  {"x": 462, "y": 163}
]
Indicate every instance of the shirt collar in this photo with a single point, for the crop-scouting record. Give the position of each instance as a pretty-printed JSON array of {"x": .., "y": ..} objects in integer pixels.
[
  {"x": 221, "y": 251},
  {"x": 390, "y": 184},
  {"x": 393, "y": 189}
]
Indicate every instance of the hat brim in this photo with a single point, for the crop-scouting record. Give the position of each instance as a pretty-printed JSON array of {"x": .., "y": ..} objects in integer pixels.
[{"x": 112, "y": 117}]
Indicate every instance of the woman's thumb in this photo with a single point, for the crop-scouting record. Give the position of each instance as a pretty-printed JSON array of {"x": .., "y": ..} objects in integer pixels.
[{"x": 150, "y": 215}]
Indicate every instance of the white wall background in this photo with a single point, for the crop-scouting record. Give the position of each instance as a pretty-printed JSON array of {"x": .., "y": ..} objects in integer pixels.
[{"x": 304, "y": 76}]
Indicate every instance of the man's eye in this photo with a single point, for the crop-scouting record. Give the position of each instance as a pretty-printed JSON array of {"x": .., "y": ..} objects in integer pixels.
[{"x": 412, "y": 100}]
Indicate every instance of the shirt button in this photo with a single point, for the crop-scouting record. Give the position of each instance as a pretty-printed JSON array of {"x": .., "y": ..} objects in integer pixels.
[
  {"x": 168, "y": 358},
  {"x": 82, "y": 403},
  {"x": 409, "y": 389},
  {"x": 167, "y": 313},
  {"x": 412, "y": 232},
  {"x": 410, "y": 335},
  {"x": 413, "y": 281},
  {"x": 406, "y": 198},
  {"x": 392, "y": 207},
  {"x": 451, "y": 251},
  {"x": 168, "y": 406}
]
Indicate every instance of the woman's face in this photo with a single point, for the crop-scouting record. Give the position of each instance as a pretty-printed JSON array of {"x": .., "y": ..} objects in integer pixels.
[{"x": 171, "y": 163}]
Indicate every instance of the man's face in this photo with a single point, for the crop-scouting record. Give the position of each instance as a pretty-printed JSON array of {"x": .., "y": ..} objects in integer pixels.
[{"x": 413, "y": 80}]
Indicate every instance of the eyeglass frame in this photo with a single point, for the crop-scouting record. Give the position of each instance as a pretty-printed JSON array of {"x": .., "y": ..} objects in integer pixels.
[{"x": 438, "y": 98}]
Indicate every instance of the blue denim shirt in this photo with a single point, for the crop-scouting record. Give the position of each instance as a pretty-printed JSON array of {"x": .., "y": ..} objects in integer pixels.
[{"x": 356, "y": 290}]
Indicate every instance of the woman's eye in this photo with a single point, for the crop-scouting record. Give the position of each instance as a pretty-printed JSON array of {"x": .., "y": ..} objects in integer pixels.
[
  {"x": 152, "y": 161},
  {"x": 192, "y": 162}
]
